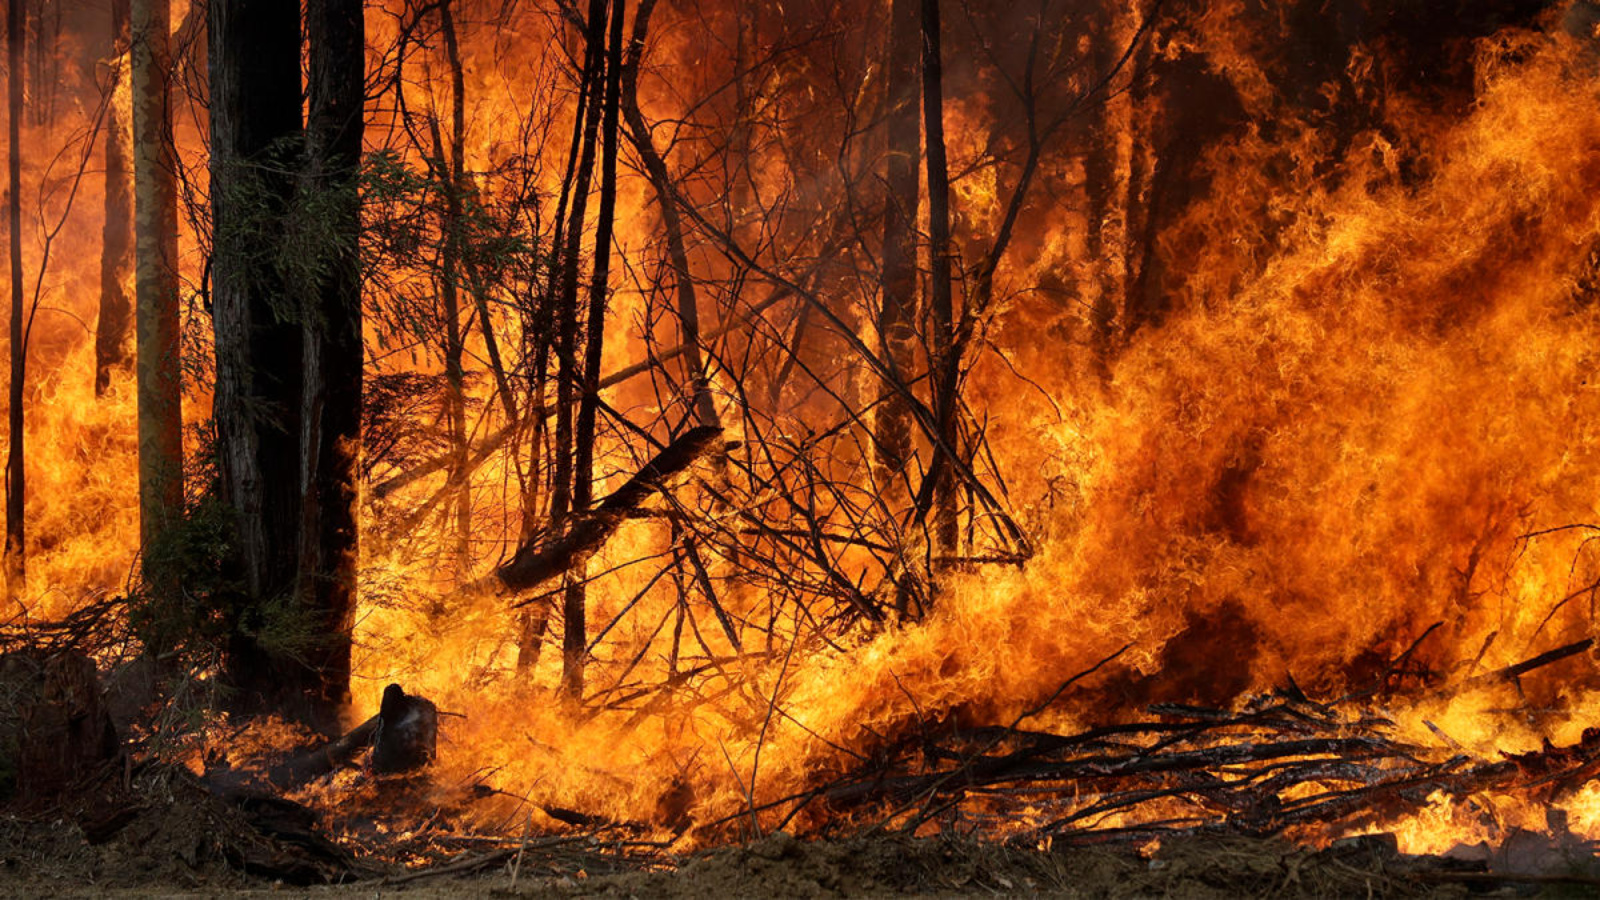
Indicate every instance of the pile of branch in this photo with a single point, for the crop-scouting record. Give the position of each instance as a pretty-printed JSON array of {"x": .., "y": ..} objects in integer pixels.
[{"x": 1279, "y": 763}]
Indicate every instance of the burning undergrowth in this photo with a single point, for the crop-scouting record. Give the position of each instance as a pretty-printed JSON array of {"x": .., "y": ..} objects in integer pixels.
[
  {"x": 1375, "y": 441},
  {"x": 1280, "y": 525}
]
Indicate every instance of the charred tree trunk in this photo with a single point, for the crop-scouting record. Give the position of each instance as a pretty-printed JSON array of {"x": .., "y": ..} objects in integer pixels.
[
  {"x": 449, "y": 172},
  {"x": 255, "y": 123},
  {"x": 671, "y": 222},
  {"x": 898, "y": 281},
  {"x": 945, "y": 367},
  {"x": 559, "y": 327},
  {"x": 563, "y": 501},
  {"x": 574, "y": 602},
  {"x": 111, "y": 350},
  {"x": 333, "y": 352},
  {"x": 156, "y": 288},
  {"x": 15, "y": 560}
]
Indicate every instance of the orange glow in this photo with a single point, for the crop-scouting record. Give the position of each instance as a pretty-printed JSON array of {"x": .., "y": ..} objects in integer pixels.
[{"x": 1368, "y": 409}]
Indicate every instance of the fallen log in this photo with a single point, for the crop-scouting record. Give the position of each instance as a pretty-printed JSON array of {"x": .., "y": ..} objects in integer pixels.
[
  {"x": 534, "y": 563},
  {"x": 406, "y": 742},
  {"x": 314, "y": 764}
]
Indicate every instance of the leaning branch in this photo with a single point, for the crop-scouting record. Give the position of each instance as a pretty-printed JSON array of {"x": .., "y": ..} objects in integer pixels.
[{"x": 536, "y": 563}]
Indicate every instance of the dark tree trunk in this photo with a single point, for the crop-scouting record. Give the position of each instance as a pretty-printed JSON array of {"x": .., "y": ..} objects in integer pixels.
[
  {"x": 111, "y": 345},
  {"x": 449, "y": 172},
  {"x": 333, "y": 352},
  {"x": 15, "y": 560},
  {"x": 945, "y": 367},
  {"x": 156, "y": 288},
  {"x": 559, "y": 328},
  {"x": 575, "y": 636},
  {"x": 898, "y": 281},
  {"x": 563, "y": 500},
  {"x": 255, "y": 123}
]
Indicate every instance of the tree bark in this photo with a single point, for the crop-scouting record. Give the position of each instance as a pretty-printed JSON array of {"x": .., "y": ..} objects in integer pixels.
[
  {"x": 563, "y": 500},
  {"x": 15, "y": 559},
  {"x": 449, "y": 169},
  {"x": 945, "y": 367},
  {"x": 898, "y": 280},
  {"x": 156, "y": 282},
  {"x": 331, "y": 442},
  {"x": 574, "y": 603},
  {"x": 111, "y": 350},
  {"x": 255, "y": 120}
]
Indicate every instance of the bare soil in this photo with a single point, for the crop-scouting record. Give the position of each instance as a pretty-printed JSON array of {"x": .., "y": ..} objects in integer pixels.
[{"x": 160, "y": 832}]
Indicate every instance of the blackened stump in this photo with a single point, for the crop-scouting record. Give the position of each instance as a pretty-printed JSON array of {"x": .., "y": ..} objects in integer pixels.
[{"x": 407, "y": 734}]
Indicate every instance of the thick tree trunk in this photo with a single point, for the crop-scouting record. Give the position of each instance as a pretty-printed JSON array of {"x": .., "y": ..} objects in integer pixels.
[
  {"x": 15, "y": 560},
  {"x": 331, "y": 443},
  {"x": 156, "y": 288},
  {"x": 255, "y": 121},
  {"x": 111, "y": 345}
]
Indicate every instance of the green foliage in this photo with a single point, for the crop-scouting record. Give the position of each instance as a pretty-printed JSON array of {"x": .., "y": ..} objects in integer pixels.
[{"x": 179, "y": 606}]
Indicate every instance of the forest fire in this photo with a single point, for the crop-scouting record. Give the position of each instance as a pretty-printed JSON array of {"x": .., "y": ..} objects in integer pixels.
[{"x": 675, "y": 424}]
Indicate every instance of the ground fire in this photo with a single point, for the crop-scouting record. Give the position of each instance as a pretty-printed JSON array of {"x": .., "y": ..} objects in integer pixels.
[{"x": 690, "y": 446}]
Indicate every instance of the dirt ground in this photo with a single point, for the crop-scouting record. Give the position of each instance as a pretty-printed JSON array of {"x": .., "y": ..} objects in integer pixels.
[
  {"x": 161, "y": 832},
  {"x": 176, "y": 854}
]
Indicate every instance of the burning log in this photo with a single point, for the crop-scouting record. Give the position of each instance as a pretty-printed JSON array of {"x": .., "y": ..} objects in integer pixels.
[
  {"x": 403, "y": 736},
  {"x": 316, "y": 763}
]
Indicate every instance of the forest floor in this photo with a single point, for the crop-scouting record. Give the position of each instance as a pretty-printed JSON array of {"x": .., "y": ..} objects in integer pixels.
[{"x": 169, "y": 836}]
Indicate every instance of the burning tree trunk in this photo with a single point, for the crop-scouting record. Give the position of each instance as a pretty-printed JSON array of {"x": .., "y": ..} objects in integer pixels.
[
  {"x": 559, "y": 334},
  {"x": 333, "y": 351},
  {"x": 450, "y": 173},
  {"x": 156, "y": 288},
  {"x": 111, "y": 350},
  {"x": 672, "y": 224},
  {"x": 575, "y": 635},
  {"x": 15, "y": 561},
  {"x": 945, "y": 367},
  {"x": 898, "y": 281},
  {"x": 563, "y": 500}
]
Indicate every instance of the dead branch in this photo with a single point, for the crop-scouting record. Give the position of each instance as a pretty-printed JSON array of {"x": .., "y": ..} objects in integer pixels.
[{"x": 534, "y": 563}]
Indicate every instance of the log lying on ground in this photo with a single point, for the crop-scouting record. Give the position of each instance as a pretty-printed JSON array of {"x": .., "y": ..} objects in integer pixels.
[
  {"x": 314, "y": 764},
  {"x": 535, "y": 563},
  {"x": 402, "y": 736}
]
